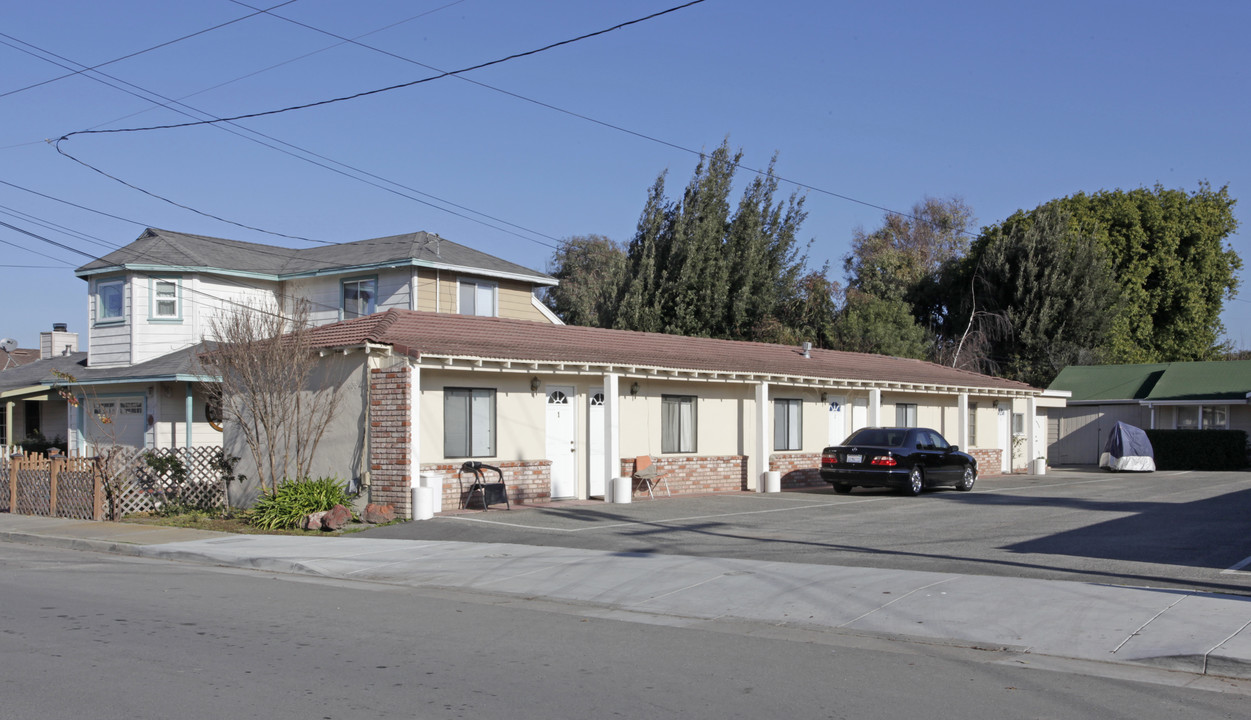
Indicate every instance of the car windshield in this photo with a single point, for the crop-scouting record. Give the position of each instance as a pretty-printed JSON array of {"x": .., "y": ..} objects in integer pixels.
[{"x": 881, "y": 437}]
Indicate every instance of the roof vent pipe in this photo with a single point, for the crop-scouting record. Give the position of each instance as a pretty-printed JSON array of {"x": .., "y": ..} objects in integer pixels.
[
  {"x": 807, "y": 349},
  {"x": 59, "y": 327}
]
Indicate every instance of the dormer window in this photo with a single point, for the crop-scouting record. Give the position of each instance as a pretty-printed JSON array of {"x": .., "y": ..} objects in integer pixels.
[
  {"x": 359, "y": 297},
  {"x": 110, "y": 300},
  {"x": 478, "y": 297},
  {"x": 166, "y": 299}
]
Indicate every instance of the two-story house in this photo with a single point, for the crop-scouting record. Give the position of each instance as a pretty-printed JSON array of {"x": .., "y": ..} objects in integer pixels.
[{"x": 153, "y": 301}]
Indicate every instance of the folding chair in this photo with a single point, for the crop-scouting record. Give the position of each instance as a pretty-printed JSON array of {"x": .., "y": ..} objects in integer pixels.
[{"x": 647, "y": 474}]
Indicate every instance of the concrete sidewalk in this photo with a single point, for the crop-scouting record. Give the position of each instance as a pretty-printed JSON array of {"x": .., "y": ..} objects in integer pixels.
[{"x": 1173, "y": 629}]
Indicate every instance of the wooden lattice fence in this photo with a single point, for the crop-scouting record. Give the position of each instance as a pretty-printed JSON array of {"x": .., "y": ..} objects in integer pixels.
[{"x": 150, "y": 480}]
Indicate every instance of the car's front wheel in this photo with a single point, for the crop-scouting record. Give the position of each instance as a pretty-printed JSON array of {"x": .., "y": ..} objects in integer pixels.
[
  {"x": 967, "y": 480},
  {"x": 916, "y": 482}
]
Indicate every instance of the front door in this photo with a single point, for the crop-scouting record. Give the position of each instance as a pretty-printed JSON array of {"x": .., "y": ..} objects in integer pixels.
[
  {"x": 838, "y": 420},
  {"x": 859, "y": 413},
  {"x": 561, "y": 441},
  {"x": 597, "y": 474}
]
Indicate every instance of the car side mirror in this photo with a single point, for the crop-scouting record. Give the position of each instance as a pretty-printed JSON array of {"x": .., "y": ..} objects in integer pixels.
[{"x": 953, "y": 448}]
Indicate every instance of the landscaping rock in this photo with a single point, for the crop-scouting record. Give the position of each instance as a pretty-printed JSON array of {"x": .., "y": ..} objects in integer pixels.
[
  {"x": 378, "y": 513},
  {"x": 335, "y": 518},
  {"x": 313, "y": 521}
]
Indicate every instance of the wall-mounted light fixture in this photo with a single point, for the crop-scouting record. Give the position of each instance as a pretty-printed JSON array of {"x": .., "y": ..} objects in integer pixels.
[
  {"x": 825, "y": 397},
  {"x": 534, "y": 384},
  {"x": 634, "y": 389}
]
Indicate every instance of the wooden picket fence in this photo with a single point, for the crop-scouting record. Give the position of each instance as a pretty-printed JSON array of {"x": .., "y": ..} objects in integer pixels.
[{"x": 72, "y": 487}]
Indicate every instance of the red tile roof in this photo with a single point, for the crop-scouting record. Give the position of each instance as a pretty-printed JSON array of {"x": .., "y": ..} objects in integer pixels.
[{"x": 424, "y": 334}]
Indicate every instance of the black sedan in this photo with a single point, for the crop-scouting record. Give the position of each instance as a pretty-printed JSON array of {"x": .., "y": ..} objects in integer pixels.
[{"x": 909, "y": 459}]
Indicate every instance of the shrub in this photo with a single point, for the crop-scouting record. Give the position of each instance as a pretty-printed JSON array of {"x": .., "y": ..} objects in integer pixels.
[
  {"x": 1199, "y": 449},
  {"x": 286, "y": 507}
]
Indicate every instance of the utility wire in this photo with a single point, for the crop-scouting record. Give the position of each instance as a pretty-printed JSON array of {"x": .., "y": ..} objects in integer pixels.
[
  {"x": 571, "y": 113},
  {"x": 239, "y": 130},
  {"x": 146, "y": 50},
  {"x": 389, "y": 88}
]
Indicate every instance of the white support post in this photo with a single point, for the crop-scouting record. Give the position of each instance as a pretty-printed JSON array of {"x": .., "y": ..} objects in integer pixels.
[
  {"x": 758, "y": 464},
  {"x": 414, "y": 433},
  {"x": 612, "y": 430},
  {"x": 1032, "y": 443},
  {"x": 189, "y": 415},
  {"x": 962, "y": 425},
  {"x": 875, "y": 407}
]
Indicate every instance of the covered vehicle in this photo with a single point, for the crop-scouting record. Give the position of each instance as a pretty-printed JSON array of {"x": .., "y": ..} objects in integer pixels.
[
  {"x": 1127, "y": 449},
  {"x": 908, "y": 459}
]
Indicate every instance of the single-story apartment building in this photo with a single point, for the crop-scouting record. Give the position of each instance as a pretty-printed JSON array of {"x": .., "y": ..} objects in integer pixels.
[
  {"x": 1164, "y": 396},
  {"x": 561, "y": 409}
]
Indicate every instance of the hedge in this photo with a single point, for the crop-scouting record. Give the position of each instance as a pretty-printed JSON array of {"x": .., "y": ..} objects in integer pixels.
[{"x": 1199, "y": 449}]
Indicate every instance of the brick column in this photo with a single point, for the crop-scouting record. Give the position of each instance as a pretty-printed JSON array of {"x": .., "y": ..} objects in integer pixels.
[{"x": 390, "y": 438}]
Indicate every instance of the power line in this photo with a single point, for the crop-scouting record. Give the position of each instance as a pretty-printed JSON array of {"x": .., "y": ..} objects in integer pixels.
[
  {"x": 389, "y": 88},
  {"x": 146, "y": 50},
  {"x": 580, "y": 116}
]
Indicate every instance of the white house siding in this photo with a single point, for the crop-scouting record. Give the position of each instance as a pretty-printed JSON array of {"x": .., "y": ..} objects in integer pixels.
[
  {"x": 214, "y": 297},
  {"x": 109, "y": 343}
]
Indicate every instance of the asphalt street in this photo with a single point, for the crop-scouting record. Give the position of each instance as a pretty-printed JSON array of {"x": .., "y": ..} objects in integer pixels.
[{"x": 1164, "y": 529}]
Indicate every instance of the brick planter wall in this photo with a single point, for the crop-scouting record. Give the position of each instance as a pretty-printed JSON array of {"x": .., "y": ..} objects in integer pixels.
[
  {"x": 988, "y": 461},
  {"x": 697, "y": 474},
  {"x": 390, "y": 393},
  {"x": 527, "y": 481},
  {"x": 799, "y": 470}
]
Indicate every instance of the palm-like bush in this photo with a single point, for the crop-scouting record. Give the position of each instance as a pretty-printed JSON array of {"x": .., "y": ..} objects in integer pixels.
[{"x": 287, "y": 506}]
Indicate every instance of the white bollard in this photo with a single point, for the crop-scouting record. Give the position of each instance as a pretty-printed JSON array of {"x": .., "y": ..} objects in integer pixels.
[
  {"x": 423, "y": 503},
  {"x": 622, "y": 489},
  {"x": 773, "y": 481}
]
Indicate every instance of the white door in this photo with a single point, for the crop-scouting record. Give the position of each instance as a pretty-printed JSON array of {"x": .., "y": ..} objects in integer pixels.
[
  {"x": 1005, "y": 440},
  {"x": 859, "y": 413},
  {"x": 838, "y": 420},
  {"x": 561, "y": 441},
  {"x": 597, "y": 475}
]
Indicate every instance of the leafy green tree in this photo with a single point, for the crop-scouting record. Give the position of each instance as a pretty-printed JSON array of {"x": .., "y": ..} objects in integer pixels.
[
  {"x": 1172, "y": 266},
  {"x": 884, "y": 326},
  {"x": 1051, "y": 286},
  {"x": 591, "y": 270},
  {"x": 904, "y": 259},
  {"x": 694, "y": 267}
]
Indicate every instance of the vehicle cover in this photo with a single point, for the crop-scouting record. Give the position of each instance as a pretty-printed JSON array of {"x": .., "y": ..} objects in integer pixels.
[{"x": 1129, "y": 449}]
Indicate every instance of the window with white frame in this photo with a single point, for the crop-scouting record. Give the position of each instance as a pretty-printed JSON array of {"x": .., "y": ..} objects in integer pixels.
[
  {"x": 166, "y": 299},
  {"x": 1018, "y": 423},
  {"x": 468, "y": 422},
  {"x": 788, "y": 418},
  {"x": 110, "y": 300},
  {"x": 359, "y": 297},
  {"x": 478, "y": 297},
  {"x": 677, "y": 423},
  {"x": 972, "y": 424},
  {"x": 905, "y": 414},
  {"x": 1188, "y": 417},
  {"x": 1215, "y": 417}
]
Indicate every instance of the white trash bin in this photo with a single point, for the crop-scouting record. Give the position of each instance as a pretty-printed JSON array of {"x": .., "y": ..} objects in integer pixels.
[
  {"x": 434, "y": 481},
  {"x": 423, "y": 503},
  {"x": 622, "y": 489},
  {"x": 773, "y": 481}
]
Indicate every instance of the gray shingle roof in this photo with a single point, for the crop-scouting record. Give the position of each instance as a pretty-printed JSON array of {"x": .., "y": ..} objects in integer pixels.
[{"x": 156, "y": 249}]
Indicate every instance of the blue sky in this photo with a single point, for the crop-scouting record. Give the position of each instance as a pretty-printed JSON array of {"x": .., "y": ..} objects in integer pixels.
[{"x": 1006, "y": 105}]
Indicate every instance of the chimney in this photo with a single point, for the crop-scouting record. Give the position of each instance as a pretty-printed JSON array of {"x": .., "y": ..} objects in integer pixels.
[{"x": 57, "y": 342}]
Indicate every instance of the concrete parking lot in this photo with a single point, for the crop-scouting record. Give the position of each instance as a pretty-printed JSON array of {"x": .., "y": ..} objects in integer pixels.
[{"x": 1163, "y": 529}]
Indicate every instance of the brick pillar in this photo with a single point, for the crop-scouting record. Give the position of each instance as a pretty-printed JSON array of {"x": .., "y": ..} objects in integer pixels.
[{"x": 390, "y": 438}]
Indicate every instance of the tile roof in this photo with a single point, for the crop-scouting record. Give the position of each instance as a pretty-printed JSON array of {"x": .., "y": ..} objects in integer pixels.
[
  {"x": 424, "y": 334},
  {"x": 164, "y": 248},
  {"x": 17, "y": 358}
]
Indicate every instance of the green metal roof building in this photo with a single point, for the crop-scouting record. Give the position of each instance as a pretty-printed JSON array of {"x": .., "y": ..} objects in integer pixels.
[{"x": 1182, "y": 395}]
